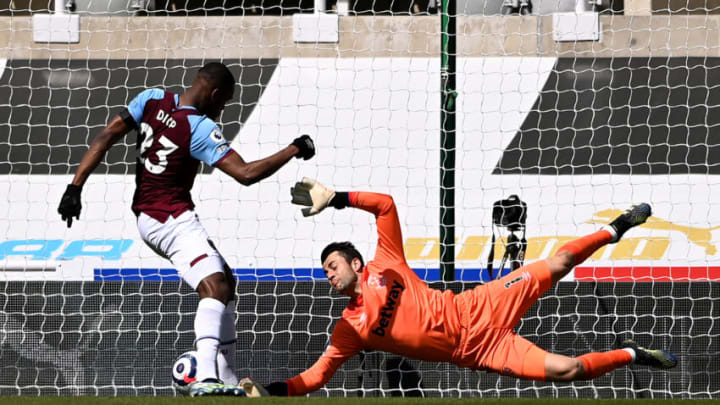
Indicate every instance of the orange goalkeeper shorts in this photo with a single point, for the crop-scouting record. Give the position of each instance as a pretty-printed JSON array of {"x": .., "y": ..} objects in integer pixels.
[{"x": 488, "y": 314}]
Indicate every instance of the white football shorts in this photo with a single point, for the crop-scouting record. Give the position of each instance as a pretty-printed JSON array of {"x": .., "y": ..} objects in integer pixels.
[{"x": 184, "y": 242}]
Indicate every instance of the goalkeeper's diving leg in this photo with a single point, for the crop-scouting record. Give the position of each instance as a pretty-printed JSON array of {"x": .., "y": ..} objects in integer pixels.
[
  {"x": 577, "y": 251},
  {"x": 593, "y": 365}
]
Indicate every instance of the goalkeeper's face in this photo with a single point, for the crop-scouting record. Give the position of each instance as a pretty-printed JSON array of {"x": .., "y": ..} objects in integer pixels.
[{"x": 342, "y": 275}]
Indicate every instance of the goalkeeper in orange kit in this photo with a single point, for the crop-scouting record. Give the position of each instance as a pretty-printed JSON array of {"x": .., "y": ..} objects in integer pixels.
[{"x": 393, "y": 310}]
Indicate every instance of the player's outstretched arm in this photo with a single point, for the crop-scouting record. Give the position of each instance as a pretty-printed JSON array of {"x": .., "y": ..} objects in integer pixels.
[
  {"x": 306, "y": 382},
  {"x": 70, "y": 205},
  {"x": 344, "y": 343},
  {"x": 248, "y": 173}
]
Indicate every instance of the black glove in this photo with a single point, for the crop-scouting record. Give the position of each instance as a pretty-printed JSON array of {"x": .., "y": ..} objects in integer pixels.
[
  {"x": 341, "y": 200},
  {"x": 277, "y": 389},
  {"x": 306, "y": 146},
  {"x": 70, "y": 204}
]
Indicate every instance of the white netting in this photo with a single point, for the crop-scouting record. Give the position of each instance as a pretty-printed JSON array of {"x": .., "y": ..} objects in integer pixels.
[{"x": 576, "y": 129}]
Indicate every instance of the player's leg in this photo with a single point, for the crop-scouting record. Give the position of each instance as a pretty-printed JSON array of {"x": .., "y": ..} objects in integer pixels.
[
  {"x": 643, "y": 356},
  {"x": 516, "y": 356},
  {"x": 501, "y": 303},
  {"x": 585, "y": 367},
  {"x": 509, "y": 354},
  {"x": 228, "y": 336},
  {"x": 593, "y": 365},
  {"x": 520, "y": 289},
  {"x": 214, "y": 325},
  {"x": 213, "y": 291},
  {"x": 575, "y": 252}
]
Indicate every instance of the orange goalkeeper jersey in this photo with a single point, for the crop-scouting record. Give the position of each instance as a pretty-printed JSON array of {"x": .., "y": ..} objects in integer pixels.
[{"x": 396, "y": 312}]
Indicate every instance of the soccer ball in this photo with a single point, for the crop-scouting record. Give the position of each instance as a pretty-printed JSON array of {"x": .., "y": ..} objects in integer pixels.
[{"x": 184, "y": 371}]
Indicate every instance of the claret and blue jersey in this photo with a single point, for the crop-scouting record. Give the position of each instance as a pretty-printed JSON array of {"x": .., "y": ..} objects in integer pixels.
[{"x": 172, "y": 142}]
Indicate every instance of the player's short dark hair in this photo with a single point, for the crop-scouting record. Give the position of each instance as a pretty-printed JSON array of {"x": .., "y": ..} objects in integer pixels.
[
  {"x": 345, "y": 249},
  {"x": 218, "y": 75}
]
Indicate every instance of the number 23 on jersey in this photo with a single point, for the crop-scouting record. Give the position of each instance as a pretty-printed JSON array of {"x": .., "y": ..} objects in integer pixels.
[{"x": 167, "y": 147}]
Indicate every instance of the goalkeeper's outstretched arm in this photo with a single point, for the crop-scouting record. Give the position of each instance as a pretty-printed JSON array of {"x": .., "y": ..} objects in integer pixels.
[
  {"x": 344, "y": 344},
  {"x": 317, "y": 197},
  {"x": 118, "y": 127}
]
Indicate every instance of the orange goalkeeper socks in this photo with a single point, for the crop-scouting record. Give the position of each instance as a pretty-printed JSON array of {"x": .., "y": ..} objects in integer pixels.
[
  {"x": 599, "y": 363},
  {"x": 587, "y": 245}
]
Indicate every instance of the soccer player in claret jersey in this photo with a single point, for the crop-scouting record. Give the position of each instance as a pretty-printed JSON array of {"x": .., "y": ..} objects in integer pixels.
[
  {"x": 176, "y": 133},
  {"x": 393, "y": 310}
]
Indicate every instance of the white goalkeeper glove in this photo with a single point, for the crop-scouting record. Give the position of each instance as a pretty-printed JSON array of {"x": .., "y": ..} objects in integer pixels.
[
  {"x": 312, "y": 194},
  {"x": 253, "y": 389}
]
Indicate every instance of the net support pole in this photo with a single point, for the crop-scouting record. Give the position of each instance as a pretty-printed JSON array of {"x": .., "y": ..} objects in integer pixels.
[{"x": 447, "y": 139}]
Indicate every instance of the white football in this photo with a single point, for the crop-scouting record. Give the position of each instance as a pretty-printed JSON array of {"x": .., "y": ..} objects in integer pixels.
[{"x": 184, "y": 371}]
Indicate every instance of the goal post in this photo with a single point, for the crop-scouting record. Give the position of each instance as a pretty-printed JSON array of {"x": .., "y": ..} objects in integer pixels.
[
  {"x": 448, "y": 55},
  {"x": 578, "y": 129}
]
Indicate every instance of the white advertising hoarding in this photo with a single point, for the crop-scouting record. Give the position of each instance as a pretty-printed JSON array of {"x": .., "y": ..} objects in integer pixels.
[{"x": 376, "y": 125}]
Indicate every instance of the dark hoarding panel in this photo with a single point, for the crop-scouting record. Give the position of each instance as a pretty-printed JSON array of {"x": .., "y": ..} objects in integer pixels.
[
  {"x": 55, "y": 107},
  {"x": 120, "y": 338},
  {"x": 621, "y": 116}
]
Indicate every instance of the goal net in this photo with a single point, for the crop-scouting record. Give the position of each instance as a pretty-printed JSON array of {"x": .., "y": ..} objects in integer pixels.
[{"x": 577, "y": 128}]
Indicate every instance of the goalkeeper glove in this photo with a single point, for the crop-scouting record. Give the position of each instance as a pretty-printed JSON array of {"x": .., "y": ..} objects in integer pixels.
[
  {"x": 311, "y": 194},
  {"x": 306, "y": 147},
  {"x": 70, "y": 205},
  {"x": 253, "y": 389}
]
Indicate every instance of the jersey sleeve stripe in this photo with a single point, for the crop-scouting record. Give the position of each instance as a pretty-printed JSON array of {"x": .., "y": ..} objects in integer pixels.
[{"x": 227, "y": 154}]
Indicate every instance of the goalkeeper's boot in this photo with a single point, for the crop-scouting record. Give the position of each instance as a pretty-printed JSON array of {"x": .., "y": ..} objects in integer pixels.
[
  {"x": 634, "y": 216},
  {"x": 661, "y": 359},
  {"x": 214, "y": 387}
]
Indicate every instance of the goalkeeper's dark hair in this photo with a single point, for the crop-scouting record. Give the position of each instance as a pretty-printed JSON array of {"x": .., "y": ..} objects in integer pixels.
[
  {"x": 218, "y": 75},
  {"x": 345, "y": 249}
]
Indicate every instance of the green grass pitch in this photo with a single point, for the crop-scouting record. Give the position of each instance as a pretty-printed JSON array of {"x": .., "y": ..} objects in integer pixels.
[{"x": 329, "y": 401}]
